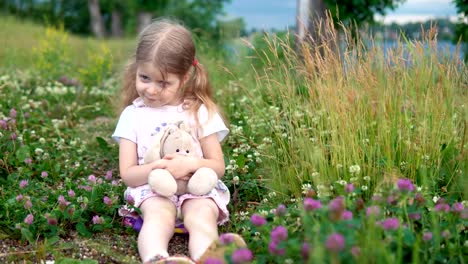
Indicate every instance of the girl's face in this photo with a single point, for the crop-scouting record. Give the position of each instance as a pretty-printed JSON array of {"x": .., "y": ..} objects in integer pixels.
[{"x": 156, "y": 90}]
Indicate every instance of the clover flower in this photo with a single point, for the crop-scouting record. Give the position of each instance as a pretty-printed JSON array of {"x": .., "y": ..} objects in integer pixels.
[
  {"x": 257, "y": 220},
  {"x": 311, "y": 204},
  {"x": 274, "y": 249},
  {"x": 23, "y": 184},
  {"x": 280, "y": 210},
  {"x": 335, "y": 242},
  {"x": 427, "y": 236},
  {"x": 405, "y": 185},
  {"x": 97, "y": 220},
  {"x": 373, "y": 211},
  {"x": 242, "y": 255},
  {"x": 279, "y": 233},
  {"x": 390, "y": 223},
  {"x": 29, "y": 219},
  {"x": 213, "y": 261}
]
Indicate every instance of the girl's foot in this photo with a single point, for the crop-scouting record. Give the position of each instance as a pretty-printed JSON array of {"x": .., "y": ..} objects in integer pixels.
[
  {"x": 217, "y": 250},
  {"x": 170, "y": 260}
]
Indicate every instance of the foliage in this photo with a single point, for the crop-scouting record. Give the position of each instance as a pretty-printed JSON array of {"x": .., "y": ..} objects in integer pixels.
[
  {"x": 462, "y": 26},
  {"x": 350, "y": 12},
  {"x": 57, "y": 178},
  {"x": 400, "y": 224}
]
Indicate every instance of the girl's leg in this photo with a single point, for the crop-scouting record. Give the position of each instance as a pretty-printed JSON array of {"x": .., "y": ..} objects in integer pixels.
[
  {"x": 159, "y": 216},
  {"x": 200, "y": 218}
]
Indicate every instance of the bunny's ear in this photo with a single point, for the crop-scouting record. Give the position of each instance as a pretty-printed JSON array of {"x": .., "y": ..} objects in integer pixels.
[{"x": 182, "y": 126}]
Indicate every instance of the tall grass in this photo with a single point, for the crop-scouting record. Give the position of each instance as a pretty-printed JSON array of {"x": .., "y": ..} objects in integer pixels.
[{"x": 360, "y": 114}]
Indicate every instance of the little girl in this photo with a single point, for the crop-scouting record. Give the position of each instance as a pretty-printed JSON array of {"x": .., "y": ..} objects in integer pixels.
[{"x": 163, "y": 84}]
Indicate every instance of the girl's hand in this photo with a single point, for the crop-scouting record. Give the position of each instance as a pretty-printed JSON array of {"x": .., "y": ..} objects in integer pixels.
[{"x": 181, "y": 167}]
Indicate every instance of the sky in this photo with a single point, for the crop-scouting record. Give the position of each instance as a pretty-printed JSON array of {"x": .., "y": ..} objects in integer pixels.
[{"x": 278, "y": 14}]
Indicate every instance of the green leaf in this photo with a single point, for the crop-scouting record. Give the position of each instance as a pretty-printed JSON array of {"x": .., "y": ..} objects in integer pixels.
[
  {"x": 76, "y": 261},
  {"x": 23, "y": 153},
  {"x": 26, "y": 234},
  {"x": 103, "y": 143},
  {"x": 82, "y": 230}
]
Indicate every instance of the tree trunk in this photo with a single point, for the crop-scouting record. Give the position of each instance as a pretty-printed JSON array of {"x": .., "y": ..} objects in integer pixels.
[
  {"x": 116, "y": 26},
  {"x": 97, "y": 25},
  {"x": 144, "y": 19},
  {"x": 314, "y": 26}
]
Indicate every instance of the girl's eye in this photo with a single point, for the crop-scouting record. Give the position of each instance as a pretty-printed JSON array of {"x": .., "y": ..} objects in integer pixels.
[
  {"x": 144, "y": 78},
  {"x": 163, "y": 84}
]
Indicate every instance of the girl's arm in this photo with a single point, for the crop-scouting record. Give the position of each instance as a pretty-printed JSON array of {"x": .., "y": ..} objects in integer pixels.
[
  {"x": 181, "y": 166},
  {"x": 132, "y": 174}
]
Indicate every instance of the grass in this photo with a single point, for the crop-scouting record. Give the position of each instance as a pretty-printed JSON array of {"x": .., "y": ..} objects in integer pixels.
[{"x": 353, "y": 158}]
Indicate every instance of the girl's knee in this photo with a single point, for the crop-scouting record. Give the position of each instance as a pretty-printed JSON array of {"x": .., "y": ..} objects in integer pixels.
[
  {"x": 158, "y": 208},
  {"x": 200, "y": 210}
]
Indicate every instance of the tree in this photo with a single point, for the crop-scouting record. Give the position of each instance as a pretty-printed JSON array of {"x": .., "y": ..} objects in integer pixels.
[
  {"x": 313, "y": 17},
  {"x": 461, "y": 30},
  {"x": 97, "y": 25}
]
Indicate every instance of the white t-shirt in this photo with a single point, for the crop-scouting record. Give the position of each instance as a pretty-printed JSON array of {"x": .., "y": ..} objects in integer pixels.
[{"x": 138, "y": 123}]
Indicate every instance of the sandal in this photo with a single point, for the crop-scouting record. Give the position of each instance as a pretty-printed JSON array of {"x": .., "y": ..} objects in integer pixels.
[{"x": 217, "y": 250}]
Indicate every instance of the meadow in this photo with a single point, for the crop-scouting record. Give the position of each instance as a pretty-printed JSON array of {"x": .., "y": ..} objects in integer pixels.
[{"x": 351, "y": 157}]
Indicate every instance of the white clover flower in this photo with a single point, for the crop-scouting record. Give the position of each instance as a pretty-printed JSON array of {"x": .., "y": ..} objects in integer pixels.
[
  {"x": 263, "y": 212},
  {"x": 235, "y": 180},
  {"x": 364, "y": 188},
  {"x": 272, "y": 194},
  {"x": 354, "y": 169},
  {"x": 342, "y": 182},
  {"x": 306, "y": 187},
  {"x": 366, "y": 178},
  {"x": 315, "y": 174},
  {"x": 265, "y": 200},
  {"x": 1, "y": 134},
  {"x": 288, "y": 261},
  {"x": 38, "y": 151},
  {"x": 435, "y": 199},
  {"x": 339, "y": 166}
]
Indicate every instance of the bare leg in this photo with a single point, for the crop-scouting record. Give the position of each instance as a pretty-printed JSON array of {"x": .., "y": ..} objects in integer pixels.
[
  {"x": 200, "y": 219},
  {"x": 158, "y": 227}
]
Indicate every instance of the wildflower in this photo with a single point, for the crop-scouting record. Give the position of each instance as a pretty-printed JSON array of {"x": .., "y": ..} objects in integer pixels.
[
  {"x": 19, "y": 197},
  {"x": 13, "y": 113},
  {"x": 62, "y": 202},
  {"x": 364, "y": 188},
  {"x": 226, "y": 239},
  {"x": 108, "y": 175},
  {"x": 311, "y": 204},
  {"x": 373, "y": 211},
  {"x": 27, "y": 203},
  {"x": 3, "y": 124},
  {"x": 414, "y": 216},
  {"x": 130, "y": 199},
  {"x": 305, "y": 249},
  {"x": 71, "y": 193},
  {"x": 354, "y": 169},
  {"x": 92, "y": 179},
  {"x": 44, "y": 174},
  {"x": 457, "y": 207},
  {"x": 213, "y": 261},
  {"x": 279, "y": 233},
  {"x": 257, "y": 220},
  {"x": 29, "y": 219},
  {"x": 442, "y": 207},
  {"x": 427, "y": 236},
  {"x": 349, "y": 188},
  {"x": 97, "y": 220},
  {"x": 390, "y": 223},
  {"x": 108, "y": 201},
  {"x": 23, "y": 184},
  {"x": 235, "y": 180},
  {"x": 51, "y": 220},
  {"x": 355, "y": 251},
  {"x": 405, "y": 185},
  {"x": 337, "y": 204},
  {"x": 274, "y": 249},
  {"x": 241, "y": 255},
  {"x": 335, "y": 242},
  {"x": 280, "y": 210},
  {"x": 347, "y": 215}
]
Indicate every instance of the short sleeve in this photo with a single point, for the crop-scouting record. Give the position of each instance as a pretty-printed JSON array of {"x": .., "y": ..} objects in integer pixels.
[
  {"x": 125, "y": 127},
  {"x": 212, "y": 125}
]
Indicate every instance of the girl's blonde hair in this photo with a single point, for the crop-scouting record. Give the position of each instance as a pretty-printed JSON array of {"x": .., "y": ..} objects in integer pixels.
[{"x": 169, "y": 46}]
